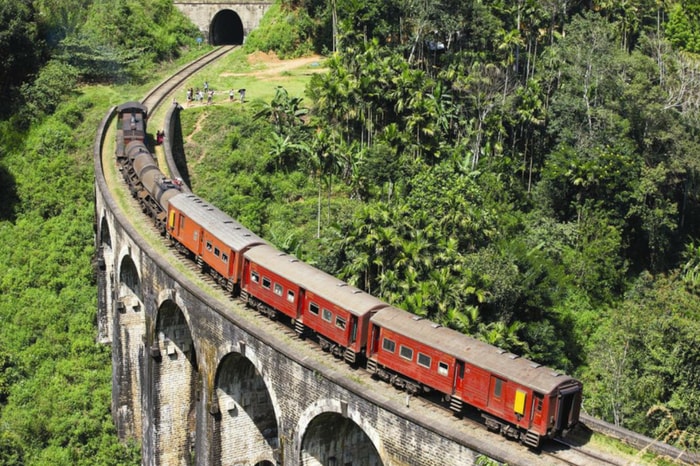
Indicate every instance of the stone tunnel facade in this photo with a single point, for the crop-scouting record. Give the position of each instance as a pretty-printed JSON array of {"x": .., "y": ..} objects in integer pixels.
[
  {"x": 224, "y": 23},
  {"x": 200, "y": 379}
]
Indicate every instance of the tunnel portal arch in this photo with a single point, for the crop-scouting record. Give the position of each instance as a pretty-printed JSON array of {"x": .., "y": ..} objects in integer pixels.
[{"x": 226, "y": 29}]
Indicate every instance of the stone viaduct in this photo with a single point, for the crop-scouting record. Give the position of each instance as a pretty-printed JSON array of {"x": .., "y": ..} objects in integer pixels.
[
  {"x": 200, "y": 379},
  {"x": 222, "y": 22}
]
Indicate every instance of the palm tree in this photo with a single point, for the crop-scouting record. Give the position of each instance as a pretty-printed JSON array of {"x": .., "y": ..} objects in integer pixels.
[
  {"x": 503, "y": 335},
  {"x": 283, "y": 111}
]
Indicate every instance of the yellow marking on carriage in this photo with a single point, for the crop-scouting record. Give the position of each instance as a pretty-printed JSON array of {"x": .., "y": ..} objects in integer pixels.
[{"x": 519, "y": 405}]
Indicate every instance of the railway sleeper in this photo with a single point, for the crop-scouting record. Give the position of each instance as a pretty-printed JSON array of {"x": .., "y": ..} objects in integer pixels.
[
  {"x": 201, "y": 264},
  {"x": 180, "y": 248},
  {"x": 218, "y": 278}
]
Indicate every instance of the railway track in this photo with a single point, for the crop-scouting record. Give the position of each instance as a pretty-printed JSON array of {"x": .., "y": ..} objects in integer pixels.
[
  {"x": 163, "y": 91},
  {"x": 557, "y": 451}
]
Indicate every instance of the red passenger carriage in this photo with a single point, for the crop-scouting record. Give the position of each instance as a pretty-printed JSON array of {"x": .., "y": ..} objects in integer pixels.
[
  {"x": 331, "y": 310},
  {"x": 517, "y": 397},
  {"x": 270, "y": 282},
  {"x": 215, "y": 240}
]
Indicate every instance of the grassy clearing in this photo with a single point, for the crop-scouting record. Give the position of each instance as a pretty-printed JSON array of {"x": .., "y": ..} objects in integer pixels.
[{"x": 259, "y": 74}]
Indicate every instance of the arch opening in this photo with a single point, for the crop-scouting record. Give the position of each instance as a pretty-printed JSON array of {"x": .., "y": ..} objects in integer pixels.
[
  {"x": 129, "y": 283},
  {"x": 226, "y": 29},
  {"x": 332, "y": 439},
  {"x": 105, "y": 237},
  {"x": 244, "y": 405},
  {"x": 176, "y": 382}
]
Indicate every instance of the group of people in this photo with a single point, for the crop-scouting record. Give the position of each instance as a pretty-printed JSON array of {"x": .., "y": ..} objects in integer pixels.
[{"x": 197, "y": 95}]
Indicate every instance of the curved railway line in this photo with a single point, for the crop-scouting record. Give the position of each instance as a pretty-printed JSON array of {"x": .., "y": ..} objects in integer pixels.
[
  {"x": 554, "y": 452},
  {"x": 159, "y": 94}
]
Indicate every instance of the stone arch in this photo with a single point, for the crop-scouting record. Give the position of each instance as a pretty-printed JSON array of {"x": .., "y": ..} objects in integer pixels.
[
  {"x": 105, "y": 236},
  {"x": 176, "y": 383},
  {"x": 105, "y": 278},
  {"x": 129, "y": 283},
  {"x": 244, "y": 404},
  {"x": 226, "y": 28},
  {"x": 128, "y": 331},
  {"x": 331, "y": 432}
]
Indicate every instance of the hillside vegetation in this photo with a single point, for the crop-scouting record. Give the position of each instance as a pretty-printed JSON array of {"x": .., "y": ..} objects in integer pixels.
[{"x": 520, "y": 171}]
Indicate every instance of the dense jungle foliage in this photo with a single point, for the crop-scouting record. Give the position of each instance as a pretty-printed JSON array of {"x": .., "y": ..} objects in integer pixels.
[
  {"x": 526, "y": 172},
  {"x": 62, "y": 62},
  {"x": 523, "y": 171}
]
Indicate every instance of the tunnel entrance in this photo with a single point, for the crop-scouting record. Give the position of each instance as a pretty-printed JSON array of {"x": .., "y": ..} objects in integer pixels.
[{"x": 226, "y": 29}]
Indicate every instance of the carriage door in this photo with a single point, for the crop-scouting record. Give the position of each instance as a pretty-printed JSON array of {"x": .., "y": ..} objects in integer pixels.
[
  {"x": 536, "y": 413},
  {"x": 565, "y": 408},
  {"x": 497, "y": 394},
  {"x": 353, "y": 330},
  {"x": 374, "y": 345},
  {"x": 459, "y": 376}
]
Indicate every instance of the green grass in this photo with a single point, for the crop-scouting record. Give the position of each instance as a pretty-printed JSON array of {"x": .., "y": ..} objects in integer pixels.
[{"x": 237, "y": 71}]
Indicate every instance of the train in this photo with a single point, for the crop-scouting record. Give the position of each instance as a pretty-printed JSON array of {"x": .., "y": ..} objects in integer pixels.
[{"x": 516, "y": 397}]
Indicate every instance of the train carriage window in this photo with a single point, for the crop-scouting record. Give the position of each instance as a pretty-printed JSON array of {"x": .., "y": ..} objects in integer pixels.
[
  {"x": 538, "y": 402},
  {"x": 217, "y": 252},
  {"x": 313, "y": 308},
  {"x": 424, "y": 360},
  {"x": 290, "y": 296},
  {"x": 182, "y": 222},
  {"x": 406, "y": 353},
  {"x": 278, "y": 289},
  {"x": 389, "y": 345},
  {"x": 208, "y": 245},
  {"x": 327, "y": 315},
  {"x": 224, "y": 257},
  {"x": 254, "y": 277},
  {"x": 266, "y": 283},
  {"x": 340, "y": 322},
  {"x": 497, "y": 388},
  {"x": 443, "y": 368}
]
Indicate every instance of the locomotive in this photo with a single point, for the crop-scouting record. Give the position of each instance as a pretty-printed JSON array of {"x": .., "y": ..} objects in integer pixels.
[{"x": 519, "y": 398}]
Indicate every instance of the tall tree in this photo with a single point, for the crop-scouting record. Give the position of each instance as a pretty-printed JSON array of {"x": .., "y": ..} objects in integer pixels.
[{"x": 21, "y": 47}]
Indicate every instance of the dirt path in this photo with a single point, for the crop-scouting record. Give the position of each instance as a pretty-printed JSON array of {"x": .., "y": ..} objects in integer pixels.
[{"x": 273, "y": 65}]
